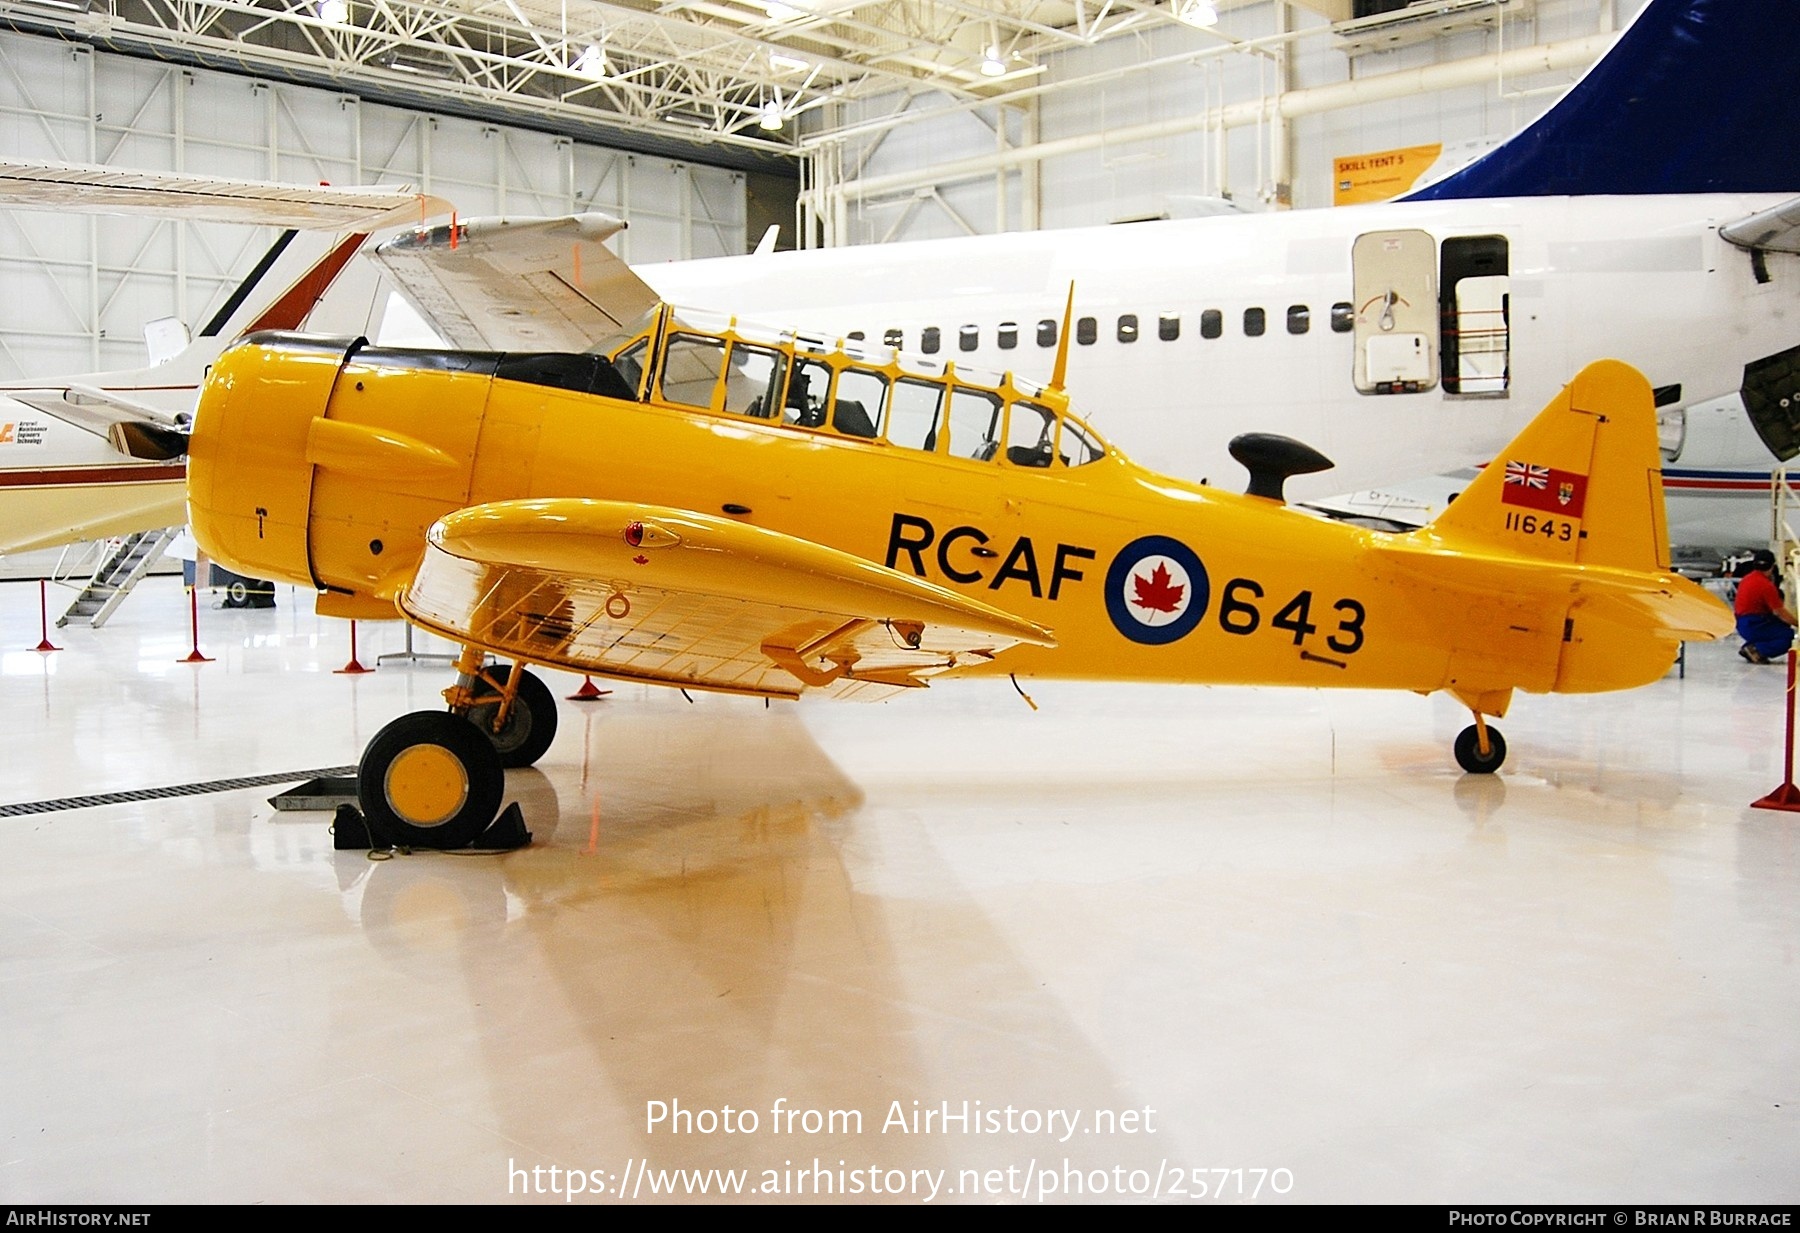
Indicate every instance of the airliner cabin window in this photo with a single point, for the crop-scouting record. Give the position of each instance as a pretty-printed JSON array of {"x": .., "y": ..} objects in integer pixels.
[
  {"x": 974, "y": 423},
  {"x": 1128, "y": 328},
  {"x": 1046, "y": 333},
  {"x": 691, "y": 367},
  {"x": 859, "y": 403},
  {"x": 893, "y": 338},
  {"x": 913, "y": 414},
  {"x": 1007, "y": 335},
  {"x": 1299, "y": 318},
  {"x": 856, "y": 335},
  {"x": 968, "y": 338},
  {"x": 929, "y": 340},
  {"x": 1168, "y": 327},
  {"x": 1254, "y": 321},
  {"x": 1087, "y": 331},
  {"x": 1212, "y": 323},
  {"x": 1343, "y": 317}
]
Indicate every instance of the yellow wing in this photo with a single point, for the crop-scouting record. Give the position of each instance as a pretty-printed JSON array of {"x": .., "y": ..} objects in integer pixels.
[{"x": 680, "y": 598}]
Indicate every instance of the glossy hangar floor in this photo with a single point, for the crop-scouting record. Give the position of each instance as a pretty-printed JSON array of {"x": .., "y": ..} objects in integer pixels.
[{"x": 1214, "y": 929}]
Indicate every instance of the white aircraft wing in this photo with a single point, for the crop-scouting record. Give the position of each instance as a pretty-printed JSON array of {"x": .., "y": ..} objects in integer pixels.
[
  {"x": 171, "y": 194},
  {"x": 534, "y": 284}
]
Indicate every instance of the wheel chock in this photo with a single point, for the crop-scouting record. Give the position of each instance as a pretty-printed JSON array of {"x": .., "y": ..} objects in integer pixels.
[
  {"x": 352, "y": 831},
  {"x": 505, "y": 832}
]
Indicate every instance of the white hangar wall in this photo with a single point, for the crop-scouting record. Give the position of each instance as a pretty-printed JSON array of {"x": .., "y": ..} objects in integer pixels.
[
  {"x": 920, "y": 181},
  {"x": 79, "y": 289}
]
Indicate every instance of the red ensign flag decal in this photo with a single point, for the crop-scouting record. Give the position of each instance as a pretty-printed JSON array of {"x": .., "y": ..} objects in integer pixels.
[{"x": 1545, "y": 488}]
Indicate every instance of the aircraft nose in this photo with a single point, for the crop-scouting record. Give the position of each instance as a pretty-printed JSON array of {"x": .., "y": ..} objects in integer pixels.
[{"x": 249, "y": 481}]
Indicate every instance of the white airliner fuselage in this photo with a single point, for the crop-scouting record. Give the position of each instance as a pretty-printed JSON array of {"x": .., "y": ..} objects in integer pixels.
[{"x": 1401, "y": 339}]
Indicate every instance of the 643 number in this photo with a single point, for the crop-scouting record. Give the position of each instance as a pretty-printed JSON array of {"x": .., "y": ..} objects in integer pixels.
[{"x": 1241, "y": 613}]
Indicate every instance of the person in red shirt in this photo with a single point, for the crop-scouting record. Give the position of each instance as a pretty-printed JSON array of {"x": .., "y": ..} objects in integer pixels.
[{"x": 1764, "y": 622}]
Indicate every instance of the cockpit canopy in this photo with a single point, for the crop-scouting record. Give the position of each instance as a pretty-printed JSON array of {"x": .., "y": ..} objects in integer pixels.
[{"x": 698, "y": 361}]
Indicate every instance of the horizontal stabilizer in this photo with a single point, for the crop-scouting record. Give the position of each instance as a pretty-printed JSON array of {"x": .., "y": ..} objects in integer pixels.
[
  {"x": 94, "y": 410},
  {"x": 1557, "y": 549}
]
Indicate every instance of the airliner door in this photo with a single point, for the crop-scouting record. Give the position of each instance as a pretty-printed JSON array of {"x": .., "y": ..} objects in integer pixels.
[{"x": 1395, "y": 277}]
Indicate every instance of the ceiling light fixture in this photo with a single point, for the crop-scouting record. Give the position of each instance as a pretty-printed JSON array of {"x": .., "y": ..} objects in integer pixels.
[
  {"x": 783, "y": 12},
  {"x": 1201, "y": 14},
  {"x": 334, "y": 12},
  {"x": 591, "y": 63},
  {"x": 991, "y": 63},
  {"x": 771, "y": 117}
]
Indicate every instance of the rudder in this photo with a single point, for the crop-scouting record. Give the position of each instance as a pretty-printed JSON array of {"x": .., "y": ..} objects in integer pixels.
[{"x": 1581, "y": 485}]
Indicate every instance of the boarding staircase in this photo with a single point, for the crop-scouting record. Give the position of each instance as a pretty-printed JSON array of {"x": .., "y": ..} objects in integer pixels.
[{"x": 120, "y": 570}]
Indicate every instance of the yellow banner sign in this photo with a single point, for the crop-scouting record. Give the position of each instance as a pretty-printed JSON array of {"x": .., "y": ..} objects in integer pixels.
[{"x": 1377, "y": 177}]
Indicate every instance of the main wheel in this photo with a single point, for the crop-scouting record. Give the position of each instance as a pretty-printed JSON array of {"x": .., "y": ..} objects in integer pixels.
[
  {"x": 530, "y": 725},
  {"x": 1468, "y": 750},
  {"x": 430, "y": 780}
]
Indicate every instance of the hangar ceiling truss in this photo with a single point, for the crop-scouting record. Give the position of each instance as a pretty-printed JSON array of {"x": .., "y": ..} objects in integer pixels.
[{"x": 731, "y": 72}]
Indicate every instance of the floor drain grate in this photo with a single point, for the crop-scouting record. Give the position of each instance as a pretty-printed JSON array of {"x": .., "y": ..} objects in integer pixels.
[{"x": 156, "y": 794}]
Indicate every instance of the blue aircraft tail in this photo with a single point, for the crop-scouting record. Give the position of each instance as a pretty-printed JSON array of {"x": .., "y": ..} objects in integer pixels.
[{"x": 1697, "y": 96}]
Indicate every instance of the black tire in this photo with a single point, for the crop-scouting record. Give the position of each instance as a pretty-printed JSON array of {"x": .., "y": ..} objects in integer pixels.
[
  {"x": 429, "y": 780},
  {"x": 530, "y": 726},
  {"x": 1468, "y": 750}
]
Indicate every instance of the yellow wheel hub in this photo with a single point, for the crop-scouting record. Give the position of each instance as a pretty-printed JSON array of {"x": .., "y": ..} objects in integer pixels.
[{"x": 426, "y": 785}]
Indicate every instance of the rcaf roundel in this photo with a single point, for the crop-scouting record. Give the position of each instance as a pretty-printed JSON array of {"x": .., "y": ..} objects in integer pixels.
[{"x": 1156, "y": 590}]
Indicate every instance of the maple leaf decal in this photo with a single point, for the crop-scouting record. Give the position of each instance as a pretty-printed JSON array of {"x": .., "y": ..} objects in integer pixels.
[{"x": 1156, "y": 593}]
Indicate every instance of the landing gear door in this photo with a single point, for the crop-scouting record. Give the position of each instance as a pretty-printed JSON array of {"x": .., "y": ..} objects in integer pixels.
[{"x": 1396, "y": 312}]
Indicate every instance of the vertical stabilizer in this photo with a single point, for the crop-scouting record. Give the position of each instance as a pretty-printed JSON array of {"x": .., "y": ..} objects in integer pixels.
[
  {"x": 1581, "y": 485},
  {"x": 1696, "y": 96}
]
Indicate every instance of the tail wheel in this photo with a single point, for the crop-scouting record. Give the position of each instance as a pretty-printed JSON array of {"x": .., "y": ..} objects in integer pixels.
[
  {"x": 1468, "y": 750},
  {"x": 530, "y": 725},
  {"x": 430, "y": 780}
]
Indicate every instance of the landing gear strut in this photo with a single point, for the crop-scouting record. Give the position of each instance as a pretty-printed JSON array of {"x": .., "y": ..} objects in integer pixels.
[
  {"x": 530, "y": 722},
  {"x": 1480, "y": 749},
  {"x": 433, "y": 779}
]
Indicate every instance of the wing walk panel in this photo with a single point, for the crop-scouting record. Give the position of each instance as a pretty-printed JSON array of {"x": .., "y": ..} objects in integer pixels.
[{"x": 701, "y": 602}]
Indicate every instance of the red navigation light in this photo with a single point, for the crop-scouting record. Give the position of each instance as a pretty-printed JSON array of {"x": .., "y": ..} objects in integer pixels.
[{"x": 634, "y": 533}]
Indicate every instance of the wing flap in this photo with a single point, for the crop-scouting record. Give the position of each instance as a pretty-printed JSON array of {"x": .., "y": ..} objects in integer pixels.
[
  {"x": 532, "y": 284},
  {"x": 697, "y": 601}
]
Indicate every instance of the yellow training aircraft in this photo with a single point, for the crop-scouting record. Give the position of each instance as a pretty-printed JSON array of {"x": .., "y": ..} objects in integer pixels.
[{"x": 703, "y": 507}]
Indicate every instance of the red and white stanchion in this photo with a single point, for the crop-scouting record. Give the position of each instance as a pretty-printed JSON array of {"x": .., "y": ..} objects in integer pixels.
[
  {"x": 44, "y": 643},
  {"x": 589, "y": 692},
  {"x": 194, "y": 656},
  {"x": 353, "y": 668},
  {"x": 1787, "y": 796}
]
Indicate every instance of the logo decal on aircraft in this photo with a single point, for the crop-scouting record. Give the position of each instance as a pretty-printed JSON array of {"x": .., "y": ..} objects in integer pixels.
[
  {"x": 1544, "y": 488},
  {"x": 1156, "y": 590}
]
